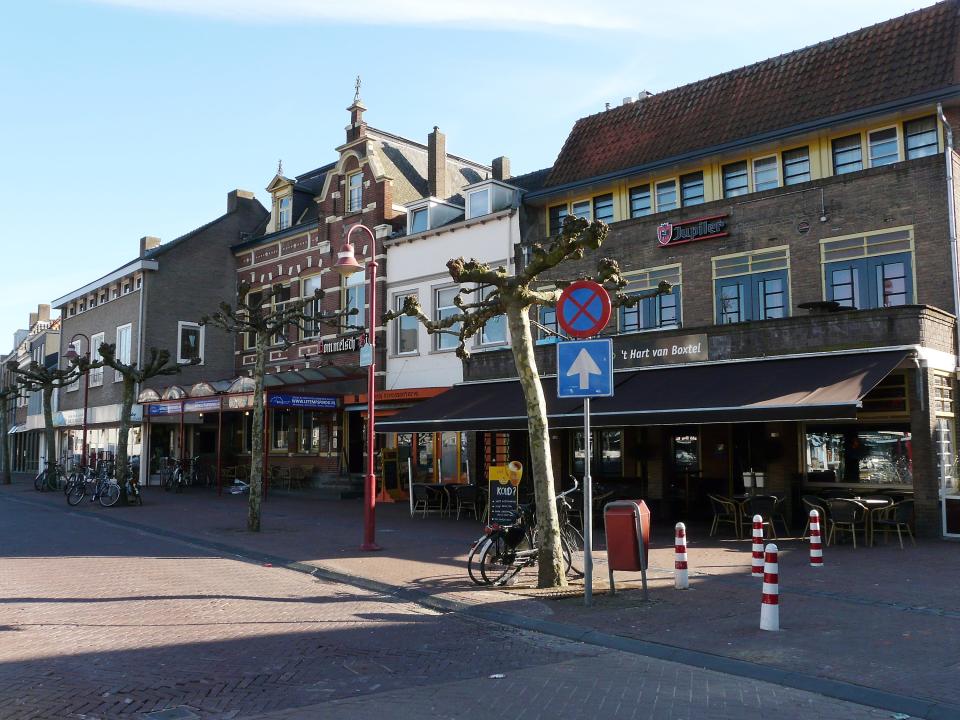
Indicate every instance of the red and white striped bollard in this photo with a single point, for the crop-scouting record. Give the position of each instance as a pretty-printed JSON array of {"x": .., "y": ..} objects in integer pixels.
[
  {"x": 770, "y": 605},
  {"x": 681, "y": 579},
  {"x": 816, "y": 544},
  {"x": 756, "y": 565}
]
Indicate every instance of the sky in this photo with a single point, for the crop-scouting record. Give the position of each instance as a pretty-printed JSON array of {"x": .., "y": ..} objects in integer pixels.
[{"x": 125, "y": 118}]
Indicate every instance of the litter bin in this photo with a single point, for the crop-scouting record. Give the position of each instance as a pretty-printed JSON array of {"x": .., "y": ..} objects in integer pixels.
[{"x": 627, "y": 524}]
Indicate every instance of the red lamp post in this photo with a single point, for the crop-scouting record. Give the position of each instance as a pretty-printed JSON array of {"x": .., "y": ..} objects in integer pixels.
[
  {"x": 72, "y": 354},
  {"x": 347, "y": 265}
]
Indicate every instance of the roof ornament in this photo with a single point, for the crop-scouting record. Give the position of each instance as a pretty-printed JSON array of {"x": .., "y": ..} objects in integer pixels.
[
  {"x": 356, "y": 95},
  {"x": 280, "y": 167}
]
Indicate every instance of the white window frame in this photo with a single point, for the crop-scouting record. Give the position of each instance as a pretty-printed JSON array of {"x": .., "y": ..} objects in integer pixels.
[
  {"x": 356, "y": 280},
  {"x": 117, "y": 377},
  {"x": 753, "y": 171},
  {"x": 311, "y": 309},
  {"x": 398, "y": 300},
  {"x": 358, "y": 206},
  {"x": 410, "y": 216},
  {"x": 440, "y": 337},
  {"x": 486, "y": 210},
  {"x": 898, "y": 142},
  {"x": 96, "y": 374},
  {"x": 284, "y": 215},
  {"x": 181, "y": 324},
  {"x": 656, "y": 194},
  {"x": 482, "y": 340},
  {"x": 589, "y": 214}
]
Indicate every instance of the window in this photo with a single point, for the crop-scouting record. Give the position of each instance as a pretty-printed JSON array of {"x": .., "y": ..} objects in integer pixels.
[
  {"x": 443, "y": 308},
  {"x": 581, "y": 209},
  {"x": 72, "y": 310},
  {"x": 765, "y": 174},
  {"x": 355, "y": 192},
  {"x": 406, "y": 328},
  {"x": 850, "y": 454},
  {"x": 103, "y": 297},
  {"x": 691, "y": 189},
  {"x": 82, "y": 306},
  {"x": 418, "y": 220},
  {"x": 640, "y": 201},
  {"x": 735, "y": 179},
  {"x": 127, "y": 287},
  {"x": 946, "y": 457},
  {"x": 557, "y": 214},
  {"x": 920, "y": 137},
  {"x": 122, "y": 351},
  {"x": 796, "y": 166},
  {"x": 752, "y": 286},
  {"x": 354, "y": 298},
  {"x": 847, "y": 155},
  {"x": 282, "y": 294},
  {"x": 114, "y": 292},
  {"x": 96, "y": 374},
  {"x": 606, "y": 453},
  {"x": 254, "y": 301},
  {"x": 869, "y": 271},
  {"x": 666, "y": 195},
  {"x": 478, "y": 203},
  {"x": 884, "y": 147},
  {"x": 312, "y": 310},
  {"x": 285, "y": 206},
  {"x": 603, "y": 208},
  {"x": 93, "y": 302},
  {"x": 494, "y": 331},
  {"x": 139, "y": 282},
  {"x": 943, "y": 394},
  {"x": 548, "y": 320},
  {"x": 189, "y": 342},
  {"x": 655, "y": 313}
]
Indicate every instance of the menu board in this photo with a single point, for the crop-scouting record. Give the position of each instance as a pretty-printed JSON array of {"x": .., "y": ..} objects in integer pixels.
[{"x": 504, "y": 492}]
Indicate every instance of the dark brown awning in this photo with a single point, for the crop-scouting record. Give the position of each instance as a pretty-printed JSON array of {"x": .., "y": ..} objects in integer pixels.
[{"x": 798, "y": 388}]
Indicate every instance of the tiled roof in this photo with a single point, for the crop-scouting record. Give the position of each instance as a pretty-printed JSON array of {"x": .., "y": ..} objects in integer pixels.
[
  {"x": 894, "y": 60},
  {"x": 530, "y": 181}
]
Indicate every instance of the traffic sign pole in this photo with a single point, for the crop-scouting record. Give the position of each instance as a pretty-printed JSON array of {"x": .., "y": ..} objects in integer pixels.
[{"x": 587, "y": 509}]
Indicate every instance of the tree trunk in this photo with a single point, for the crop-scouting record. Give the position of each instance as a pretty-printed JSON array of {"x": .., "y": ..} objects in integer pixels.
[
  {"x": 49, "y": 435},
  {"x": 126, "y": 410},
  {"x": 5, "y": 439},
  {"x": 549, "y": 558},
  {"x": 256, "y": 440}
]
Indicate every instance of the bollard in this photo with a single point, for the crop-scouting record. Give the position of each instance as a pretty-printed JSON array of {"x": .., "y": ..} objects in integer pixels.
[
  {"x": 816, "y": 547},
  {"x": 681, "y": 579},
  {"x": 770, "y": 606},
  {"x": 756, "y": 567}
]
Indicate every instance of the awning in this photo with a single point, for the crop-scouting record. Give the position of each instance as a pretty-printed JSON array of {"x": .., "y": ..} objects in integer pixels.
[
  {"x": 818, "y": 387},
  {"x": 16, "y": 429}
]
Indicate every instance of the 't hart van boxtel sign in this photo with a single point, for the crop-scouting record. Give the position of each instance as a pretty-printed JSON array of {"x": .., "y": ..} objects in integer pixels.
[
  {"x": 644, "y": 349},
  {"x": 689, "y": 230}
]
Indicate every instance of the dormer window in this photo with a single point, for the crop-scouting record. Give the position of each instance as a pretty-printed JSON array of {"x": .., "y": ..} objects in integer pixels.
[
  {"x": 418, "y": 221},
  {"x": 478, "y": 203},
  {"x": 285, "y": 212},
  {"x": 355, "y": 192},
  {"x": 103, "y": 297}
]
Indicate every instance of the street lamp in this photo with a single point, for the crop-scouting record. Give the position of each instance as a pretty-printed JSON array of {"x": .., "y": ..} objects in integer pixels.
[
  {"x": 347, "y": 265},
  {"x": 71, "y": 354}
]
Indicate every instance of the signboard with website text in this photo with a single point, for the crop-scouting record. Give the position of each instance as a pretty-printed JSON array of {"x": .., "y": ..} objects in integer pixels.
[
  {"x": 645, "y": 349},
  {"x": 311, "y": 402},
  {"x": 504, "y": 486}
]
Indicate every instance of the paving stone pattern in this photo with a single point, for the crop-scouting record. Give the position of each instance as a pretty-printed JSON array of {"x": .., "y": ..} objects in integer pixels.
[{"x": 107, "y": 622}]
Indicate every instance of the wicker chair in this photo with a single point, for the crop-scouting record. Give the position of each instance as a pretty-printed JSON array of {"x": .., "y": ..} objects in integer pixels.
[
  {"x": 847, "y": 516},
  {"x": 895, "y": 517},
  {"x": 467, "y": 499},
  {"x": 427, "y": 499},
  {"x": 724, "y": 511},
  {"x": 763, "y": 505},
  {"x": 813, "y": 502}
]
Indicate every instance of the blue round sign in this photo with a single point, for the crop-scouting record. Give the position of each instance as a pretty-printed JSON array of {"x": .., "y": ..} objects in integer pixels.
[{"x": 583, "y": 309}]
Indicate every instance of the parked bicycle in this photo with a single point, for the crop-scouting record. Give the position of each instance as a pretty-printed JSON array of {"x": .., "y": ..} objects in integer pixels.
[
  {"x": 50, "y": 477},
  {"x": 105, "y": 490}
]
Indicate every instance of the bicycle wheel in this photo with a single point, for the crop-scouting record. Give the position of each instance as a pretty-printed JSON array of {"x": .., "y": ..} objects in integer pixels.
[
  {"x": 473, "y": 561},
  {"x": 496, "y": 560},
  {"x": 76, "y": 493},
  {"x": 70, "y": 483},
  {"x": 40, "y": 481},
  {"x": 574, "y": 542},
  {"x": 109, "y": 494}
]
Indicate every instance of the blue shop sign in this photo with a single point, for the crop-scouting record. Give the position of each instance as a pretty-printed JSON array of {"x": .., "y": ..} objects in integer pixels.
[
  {"x": 202, "y": 405},
  {"x": 313, "y": 402},
  {"x": 172, "y": 408}
]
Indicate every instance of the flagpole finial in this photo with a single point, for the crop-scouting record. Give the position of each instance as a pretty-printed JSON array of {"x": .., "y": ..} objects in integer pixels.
[{"x": 356, "y": 95}]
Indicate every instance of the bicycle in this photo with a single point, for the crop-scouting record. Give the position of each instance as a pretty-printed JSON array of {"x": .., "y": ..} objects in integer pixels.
[
  {"x": 106, "y": 490},
  {"x": 49, "y": 478},
  {"x": 513, "y": 547},
  {"x": 130, "y": 478},
  {"x": 77, "y": 477},
  {"x": 175, "y": 481}
]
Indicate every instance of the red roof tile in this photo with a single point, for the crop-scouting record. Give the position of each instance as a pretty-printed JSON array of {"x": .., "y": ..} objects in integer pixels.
[{"x": 893, "y": 60}]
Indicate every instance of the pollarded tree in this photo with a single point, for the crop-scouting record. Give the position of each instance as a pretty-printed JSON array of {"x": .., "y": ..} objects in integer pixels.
[
  {"x": 514, "y": 296},
  {"x": 7, "y": 395},
  {"x": 264, "y": 315},
  {"x": 157, "y": 364},
  {"x": 46, "y": 380}
]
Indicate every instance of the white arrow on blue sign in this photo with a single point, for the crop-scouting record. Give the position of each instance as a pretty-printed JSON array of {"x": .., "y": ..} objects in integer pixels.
[{"x": 585, "y": 368}]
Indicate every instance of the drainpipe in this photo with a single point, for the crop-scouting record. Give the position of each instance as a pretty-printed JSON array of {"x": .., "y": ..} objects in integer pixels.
[{"x": 951, "y": 219}]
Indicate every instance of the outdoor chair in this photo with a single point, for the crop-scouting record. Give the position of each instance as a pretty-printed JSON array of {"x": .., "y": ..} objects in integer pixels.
[
  {"x": 297, "y": 476},
  {"x": 724, "y": 511},
  {"x": 467, "y": 499},
  {"x": 895, "y": 517},
  {"x": 812, "y": 502},
  {"x": 763, "y": 505},
  {"x": 779, "y": 514},
  {"x": 847, "y": 516},
  {"x": 427, "y": 499}
]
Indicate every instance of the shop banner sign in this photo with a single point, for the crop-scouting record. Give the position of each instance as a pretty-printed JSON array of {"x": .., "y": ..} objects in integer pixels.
[
  {"x": 311, "y": 402},
  {"x": 202, "y": 405},
  {"x": 165, "y": 409},
  {"x": 504, "y": 486},
  {"x": 653, "y": 349}
]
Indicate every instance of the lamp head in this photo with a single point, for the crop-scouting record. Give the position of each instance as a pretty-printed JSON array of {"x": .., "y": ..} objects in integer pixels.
[{"x": 347, "y": 263}]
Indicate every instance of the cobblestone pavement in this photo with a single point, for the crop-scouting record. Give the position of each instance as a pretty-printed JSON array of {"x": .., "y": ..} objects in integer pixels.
[{"x": 107, "y": 622}]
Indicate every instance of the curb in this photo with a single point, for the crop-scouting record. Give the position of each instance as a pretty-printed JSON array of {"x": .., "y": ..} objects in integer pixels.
[{"x": 835, "y": 689}]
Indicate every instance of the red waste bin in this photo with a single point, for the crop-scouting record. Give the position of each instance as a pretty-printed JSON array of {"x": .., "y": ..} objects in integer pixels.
[{"x": 627, "y": 524}]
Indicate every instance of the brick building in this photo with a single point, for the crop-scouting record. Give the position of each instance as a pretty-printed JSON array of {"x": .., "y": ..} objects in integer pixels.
[{"x": 804, "y": 210}]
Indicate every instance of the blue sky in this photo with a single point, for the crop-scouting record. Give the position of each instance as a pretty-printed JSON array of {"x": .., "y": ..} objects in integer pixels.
[{"x": 124, "y": 118}]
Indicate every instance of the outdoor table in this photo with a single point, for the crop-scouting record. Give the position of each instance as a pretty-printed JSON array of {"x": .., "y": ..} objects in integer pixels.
[{"x": 871, "y": 505}]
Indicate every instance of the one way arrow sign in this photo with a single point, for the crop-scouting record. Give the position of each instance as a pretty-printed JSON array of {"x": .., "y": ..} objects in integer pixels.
[{"x": 585, "y": 368}]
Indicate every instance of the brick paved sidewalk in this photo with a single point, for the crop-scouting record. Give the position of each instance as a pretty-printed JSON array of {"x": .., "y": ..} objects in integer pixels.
[{"x": 879, "y": 617}]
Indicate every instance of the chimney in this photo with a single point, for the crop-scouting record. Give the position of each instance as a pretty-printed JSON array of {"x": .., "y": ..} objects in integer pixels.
[
  {"x": 234, "y": 197},
  {"x": 628, "y": 100},
  {"x": 147, "y": 244},
  {"x": 437, "y": 164},
  {"x": 43, "y": 312},
  {"x": 501, "y": 168},
  {"x": 33, "y": 320}
]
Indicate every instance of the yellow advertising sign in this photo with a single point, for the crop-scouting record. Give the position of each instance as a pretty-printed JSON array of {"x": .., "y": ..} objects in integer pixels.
[{"x": 508, "y": 474}]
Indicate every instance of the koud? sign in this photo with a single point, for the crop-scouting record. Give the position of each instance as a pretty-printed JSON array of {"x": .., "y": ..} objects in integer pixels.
[{"x": 504, "y": 487}]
